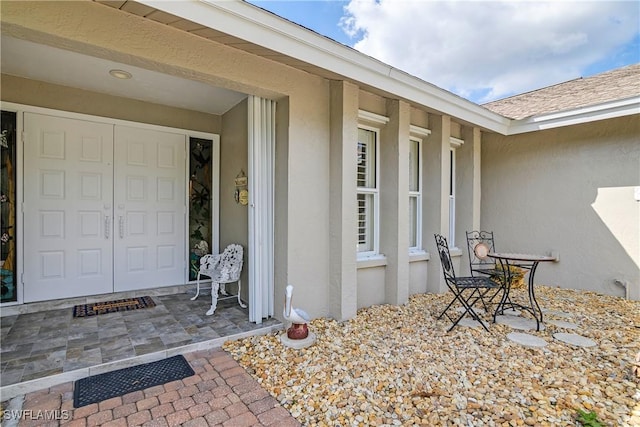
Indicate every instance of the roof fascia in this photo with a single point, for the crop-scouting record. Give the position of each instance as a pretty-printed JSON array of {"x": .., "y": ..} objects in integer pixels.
[
  {"x": 591, "y": 113},
  {"x": 250, "y": 23}
]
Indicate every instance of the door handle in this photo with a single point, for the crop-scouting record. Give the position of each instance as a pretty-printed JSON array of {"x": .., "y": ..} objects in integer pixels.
[
  {"x": 107, "y": 226},
  {"x": 121, "y": 226}
]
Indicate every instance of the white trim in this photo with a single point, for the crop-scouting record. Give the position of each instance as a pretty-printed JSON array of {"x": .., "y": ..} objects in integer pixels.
[
  {"x": 419, "y": 131},
  {"x": 253, "y": 24},
  {"x": 417, "y": 194},
  {"x": 375, "y": 191},
  {"x": 419, "y": 255},
  {"x": 100, "y": 119},
  {"x": 261, "y": 174},
  {"x": 373, "y": 118},
  {"x": 590, "y": 113},
  {"x": 452, "y": 195},
  {"x": 20, "y": 109},
  {"x": 455, "y": 142},
  {"x": 377, "y": 260}
]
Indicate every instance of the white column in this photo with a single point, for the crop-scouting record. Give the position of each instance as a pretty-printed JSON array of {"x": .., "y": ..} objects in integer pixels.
[
  {"x": 343, "y": 278},
  {"x": 435, "y": 200},
  {"x": 394, "y": 201}
]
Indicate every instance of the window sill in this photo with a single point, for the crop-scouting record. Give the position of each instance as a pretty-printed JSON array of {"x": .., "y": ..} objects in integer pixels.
[
  {"x": 372, "y": 261},
  {"x": 455, "y": 252},
  {"x": 415, "y": 256}
]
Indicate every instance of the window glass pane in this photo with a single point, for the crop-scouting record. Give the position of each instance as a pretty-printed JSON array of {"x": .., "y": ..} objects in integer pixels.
[
  {"x": 365, "y": 222},
  {"x": 199, "y": 202},
  {"x": 414, "y": 154},
  {"x": 8, "y": 253},
  {"x": 452, "y": 165},
  {"x": 366, "y": 174},
  {"x": 413, "y": 221}
]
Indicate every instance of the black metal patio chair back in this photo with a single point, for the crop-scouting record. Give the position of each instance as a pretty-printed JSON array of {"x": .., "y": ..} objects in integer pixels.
[
  {"x": 466, "y": 290},
  {"x": 479, "y": 245}
]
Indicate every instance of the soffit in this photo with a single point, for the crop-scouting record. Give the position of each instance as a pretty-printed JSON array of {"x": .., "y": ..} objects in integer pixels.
[
  {"x": 350, "y": 65},
  {"x": 191, "y": 27},
  {"x": 162, "y": 17}
]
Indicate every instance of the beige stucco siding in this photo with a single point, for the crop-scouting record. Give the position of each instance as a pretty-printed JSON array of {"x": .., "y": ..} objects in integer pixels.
[
  {"x": 570, "y": 191},
  {"x": 233, "y": 159},
  {"x": 47, "y": 95},
  {"x": 308, "y": 199},
  {"x": 94, "y": 29}
]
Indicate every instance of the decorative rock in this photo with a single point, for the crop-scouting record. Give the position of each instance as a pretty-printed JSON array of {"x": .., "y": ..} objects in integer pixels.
[
  {"x": 562, "y": 324},
  {"x": 574, "y": 339},
  {"x": 526, "y": 339},
  {"x": 398, "y": 365},
  {"x": 470, "y": 323},
  {"x": 557, "y": 313},
  {"x": 478, "y": 310}
]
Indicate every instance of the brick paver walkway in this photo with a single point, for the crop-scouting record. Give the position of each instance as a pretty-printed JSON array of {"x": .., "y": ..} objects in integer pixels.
[{"x": 221, "y": 393}]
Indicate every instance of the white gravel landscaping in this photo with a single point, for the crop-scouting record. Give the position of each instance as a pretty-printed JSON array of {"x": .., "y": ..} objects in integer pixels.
[{"x": 397, "y": 365}]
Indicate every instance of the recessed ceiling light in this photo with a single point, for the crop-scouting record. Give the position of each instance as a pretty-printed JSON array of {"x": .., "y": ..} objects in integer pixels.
[{"x": 120, "y": 74}]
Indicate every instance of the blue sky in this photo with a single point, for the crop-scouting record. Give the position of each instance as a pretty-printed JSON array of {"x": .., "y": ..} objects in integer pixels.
[{"x": 480, "y": 50}]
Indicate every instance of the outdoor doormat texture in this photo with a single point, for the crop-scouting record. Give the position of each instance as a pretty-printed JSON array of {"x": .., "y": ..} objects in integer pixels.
[
  {"x": 97, "y": 388},
  {"x": 86, "y": 310}
]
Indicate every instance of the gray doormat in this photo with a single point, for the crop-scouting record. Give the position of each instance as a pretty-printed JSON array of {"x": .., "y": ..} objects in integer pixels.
[{"x": 97, "y": 388}]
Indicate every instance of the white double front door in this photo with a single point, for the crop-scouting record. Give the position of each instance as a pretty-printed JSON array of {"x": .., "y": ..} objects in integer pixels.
[{"x": 104, "y": 208}]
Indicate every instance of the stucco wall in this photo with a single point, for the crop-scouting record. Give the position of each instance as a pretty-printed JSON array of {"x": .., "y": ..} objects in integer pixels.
[
  {"x": 42, "y": 94},
  {"x": 570, "y": 191},
  {"x": 303, "y": 178},
  {"x": 233, "y": 159},
  {"x": 371, "y": 286},
  {"x": 418, "y": 277},
  {"x": 91, "y": 28}
]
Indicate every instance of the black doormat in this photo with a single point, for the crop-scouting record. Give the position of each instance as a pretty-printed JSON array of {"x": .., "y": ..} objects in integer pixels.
[
  {"x": 97, "y": 388},
  {"x": 93, "y": 309}
]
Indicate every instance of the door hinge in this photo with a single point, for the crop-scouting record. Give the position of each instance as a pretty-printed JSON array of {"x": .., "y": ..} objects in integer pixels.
[{"x": 22, "y": 136}]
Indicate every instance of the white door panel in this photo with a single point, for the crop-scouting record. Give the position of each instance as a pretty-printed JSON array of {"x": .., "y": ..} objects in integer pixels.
[
  {"x": 150, "y": 208},
  {"x": 68, "y": 193}
]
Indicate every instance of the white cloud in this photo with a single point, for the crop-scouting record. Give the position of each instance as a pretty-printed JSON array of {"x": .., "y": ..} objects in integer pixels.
[{"x": 486, "y": 50}]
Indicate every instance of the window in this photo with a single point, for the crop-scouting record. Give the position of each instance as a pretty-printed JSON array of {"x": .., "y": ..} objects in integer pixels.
[
  {"x": 200, "y": 202},
  {"x": 452, "y": 196},
  {"x": 454, "y": 144},
  {"x": 8, "y": 253},
  {"x": 415, "y": 194},
  {"x": 367, "y": 191}
]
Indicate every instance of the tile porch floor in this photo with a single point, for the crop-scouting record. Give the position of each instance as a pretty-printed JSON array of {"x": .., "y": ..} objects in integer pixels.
[{"x": 45, "y": 344}]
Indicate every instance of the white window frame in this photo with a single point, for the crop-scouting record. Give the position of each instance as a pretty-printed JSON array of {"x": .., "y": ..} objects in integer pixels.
[
  {"x": 454, "y": 143},
  {"x": 417, "y": 196},
  {"x": 375, "y": 192},
  {"x": 418, "y": 133}
]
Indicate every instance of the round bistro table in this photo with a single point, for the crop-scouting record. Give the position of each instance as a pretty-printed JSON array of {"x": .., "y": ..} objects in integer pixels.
[{"x": 529, "y": 262}]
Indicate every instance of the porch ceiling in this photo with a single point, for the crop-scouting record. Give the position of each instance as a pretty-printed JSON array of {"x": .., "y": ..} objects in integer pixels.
[
  {"x": 62, "y": 67},
  {"x": 153, "y": 14}
]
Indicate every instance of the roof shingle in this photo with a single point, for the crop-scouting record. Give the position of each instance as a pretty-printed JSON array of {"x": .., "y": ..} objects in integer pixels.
[{"x": 612, "y": 85}]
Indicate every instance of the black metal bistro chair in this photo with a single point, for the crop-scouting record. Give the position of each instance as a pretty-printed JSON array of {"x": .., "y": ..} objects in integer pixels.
[
  {"x": 479, "y": 245},
  {"x": 466, "y": 290}
]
